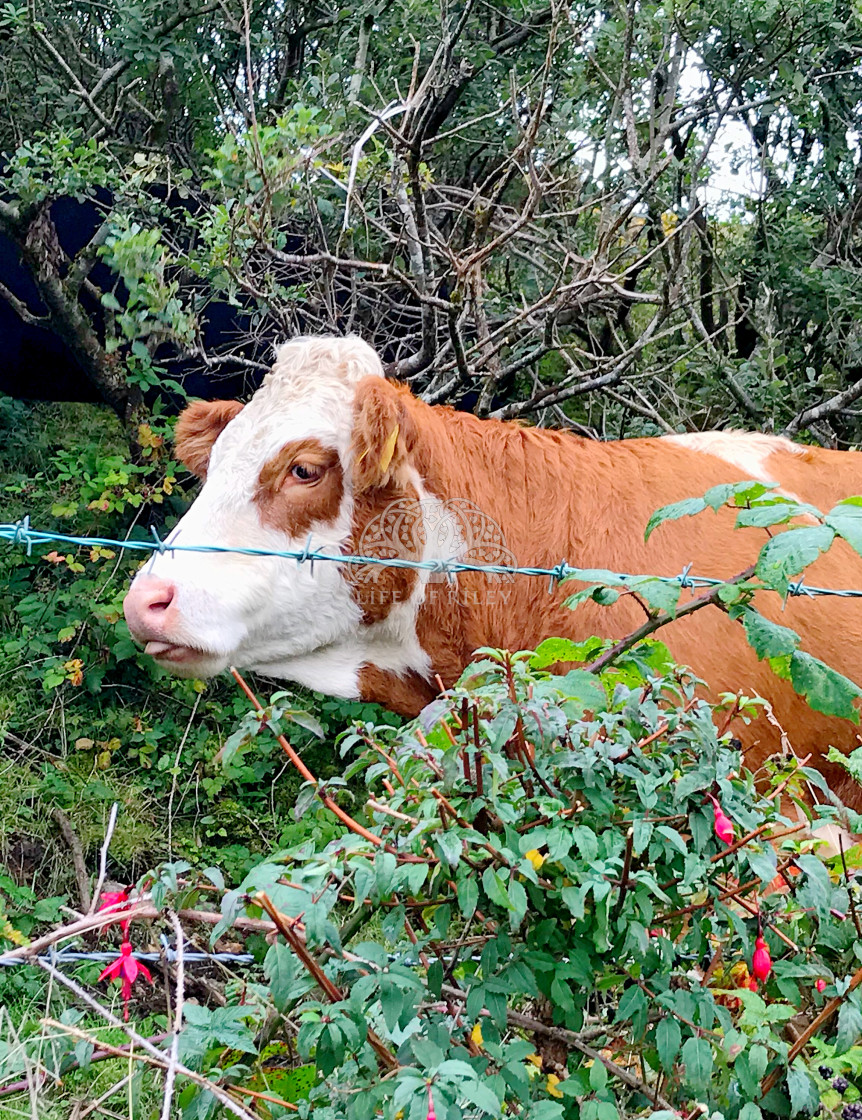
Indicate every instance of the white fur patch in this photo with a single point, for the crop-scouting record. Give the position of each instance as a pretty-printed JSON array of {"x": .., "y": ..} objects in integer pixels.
[{"x": 749, "y": 451}]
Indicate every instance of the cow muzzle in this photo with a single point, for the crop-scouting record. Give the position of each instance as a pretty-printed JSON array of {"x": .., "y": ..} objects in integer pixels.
[{"x": 153, "y": 620}]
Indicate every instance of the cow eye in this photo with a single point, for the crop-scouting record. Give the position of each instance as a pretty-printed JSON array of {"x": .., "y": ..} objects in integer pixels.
[{"x": 305, "y": 474}]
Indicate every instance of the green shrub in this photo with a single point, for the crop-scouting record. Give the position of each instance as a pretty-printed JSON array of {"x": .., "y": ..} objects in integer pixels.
[{"x": 543, "y": 920}]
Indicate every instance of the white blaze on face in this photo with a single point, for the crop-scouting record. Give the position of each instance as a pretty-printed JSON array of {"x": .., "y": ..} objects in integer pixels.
[{"x": 267, "y": 613}]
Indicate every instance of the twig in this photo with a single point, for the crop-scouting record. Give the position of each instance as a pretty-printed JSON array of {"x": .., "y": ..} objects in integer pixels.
[
  {"x": 255, "y": 1095},
  {"x": 155, "y": 1058},
  {"x": 152, "y": 1055},
  {"x": 330, "y": 804},
  {"x": 75, "y": 847},
  {"x": 95, "y": 1106},
  {"x": 179, "y": 994},
  {"x": 782, "y": 785},
  {"x": 746, "y": 905},
  {"x": 143, "y": 910},
  {"x": 377, "y": 807},
  {"x": 104, "y": 917},
  {"x": 97, "y": 1056},
  {"x": 704, "y": 600},
  {"x": 103, "y": 855},
  {"x": 333, "y": 993},
  {"x": 751, "y": 885}
]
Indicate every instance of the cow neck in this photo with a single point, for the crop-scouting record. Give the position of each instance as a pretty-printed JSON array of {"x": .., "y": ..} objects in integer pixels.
[
  {"x": 524, "y": 479},
  {"x": 527, "y": 482}
]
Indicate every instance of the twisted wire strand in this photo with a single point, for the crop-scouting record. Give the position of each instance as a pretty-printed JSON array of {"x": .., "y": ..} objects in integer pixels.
[{"x": 20, "y": 533}]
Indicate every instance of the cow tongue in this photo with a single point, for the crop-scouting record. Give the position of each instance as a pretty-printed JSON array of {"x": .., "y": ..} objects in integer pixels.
[{"x": 154, "y": 649}]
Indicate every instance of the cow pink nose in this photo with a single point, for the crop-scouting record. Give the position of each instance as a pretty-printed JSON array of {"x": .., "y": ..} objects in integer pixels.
[{"x": 145, "y": 606}]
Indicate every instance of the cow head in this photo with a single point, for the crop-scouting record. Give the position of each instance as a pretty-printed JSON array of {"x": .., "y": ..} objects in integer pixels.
[{"x": 324, "y": 443}]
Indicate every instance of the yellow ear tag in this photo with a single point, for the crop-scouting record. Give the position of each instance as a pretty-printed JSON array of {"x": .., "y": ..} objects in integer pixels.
[{"x": 389, "y": 449}]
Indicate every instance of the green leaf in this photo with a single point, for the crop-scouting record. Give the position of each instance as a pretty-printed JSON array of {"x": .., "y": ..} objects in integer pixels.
[
  {"x": 450, "y": 845},
  {"x": 306, "y": 720},
  {"x": 849, "y": 1024},
  {"x": 553, "y": 651},
  {"x": 741, "y": 492},
  {"x": 688, "y": 507},
  {"x": 215, "y": 877},
  {"x": 110, "y": 301},
  {"x": 480, "y": 1095},
  {"x": 495, "y": 888},
  {"x": 846, "y": 520},
  {"x": 385, "y": 865},
  {"x": 815, "y": 890},
  {"x": 668, "y": 1039},
  {"x": 825, "y": 689},
  {"x": 659, "y": 593},
  {"x": 766, "y": 638},
  {"x": 697, "y": 1059},
  {"x": 791, "y": 551},
  {"x": 641, "y": 835},
  {"x": 582, "y": 688},
  {"x": 280, "y": 970},
  {"x": 632, "y": 1004},
  {"x": 518, "y": 900},
  {"x": 304, "y": 799},
  {"x": 598, "y": 1077},
  {"x": 803, "y": 1092},
  {"x": 674, "y": 838},
  {"x": 468, "y": 895},
  {"x": 762, "y": 517}
]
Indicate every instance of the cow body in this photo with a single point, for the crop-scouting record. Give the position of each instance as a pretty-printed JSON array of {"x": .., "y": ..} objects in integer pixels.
[{"x": 329, "y": 454}]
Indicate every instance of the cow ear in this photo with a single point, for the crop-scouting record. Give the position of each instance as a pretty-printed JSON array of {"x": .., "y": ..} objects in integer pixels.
[
  {"x": 384, "y": 433},
  {"x": 198, "y": 427}
]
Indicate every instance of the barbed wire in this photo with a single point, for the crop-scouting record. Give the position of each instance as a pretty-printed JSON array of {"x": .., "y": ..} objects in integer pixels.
[
  {"x": 167, "y": 953},
  {"x": 20, "y": 533}
]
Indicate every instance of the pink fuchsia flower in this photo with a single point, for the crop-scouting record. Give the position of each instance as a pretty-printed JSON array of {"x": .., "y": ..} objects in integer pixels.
[
  {"x": 126, "y": 969},
  {"x": 723, "y": 825},
  {"x": 116, "y": 898},
  {"x": 820, "y": 984},
  {"x": 761, "y": 962}
]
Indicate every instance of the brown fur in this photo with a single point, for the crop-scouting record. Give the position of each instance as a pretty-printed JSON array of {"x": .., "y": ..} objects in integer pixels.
[
  {"x": 557, "y": 496},
  {"x": 381, "y": 411},
  {"x": 376, "y": 588},
  {"x": 198, "y": 427},
  {"x": 399, "y": 694},
  {"x": 294, "y": 505}
]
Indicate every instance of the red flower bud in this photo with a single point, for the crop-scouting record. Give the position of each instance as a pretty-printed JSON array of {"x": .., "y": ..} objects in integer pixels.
[
  {"x": 761, "y": 962},
  {"x": 820, "y": 985},
  {"x": 723, "y": 824},
  {"x": 752, "y": 984}
]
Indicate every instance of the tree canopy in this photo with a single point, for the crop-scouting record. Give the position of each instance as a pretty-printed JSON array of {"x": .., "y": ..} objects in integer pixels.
[{"x": 630, "y": 217}]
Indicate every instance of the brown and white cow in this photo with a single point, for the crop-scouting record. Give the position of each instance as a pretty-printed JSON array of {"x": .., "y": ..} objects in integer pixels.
[{"x": 328, "y": 452}]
